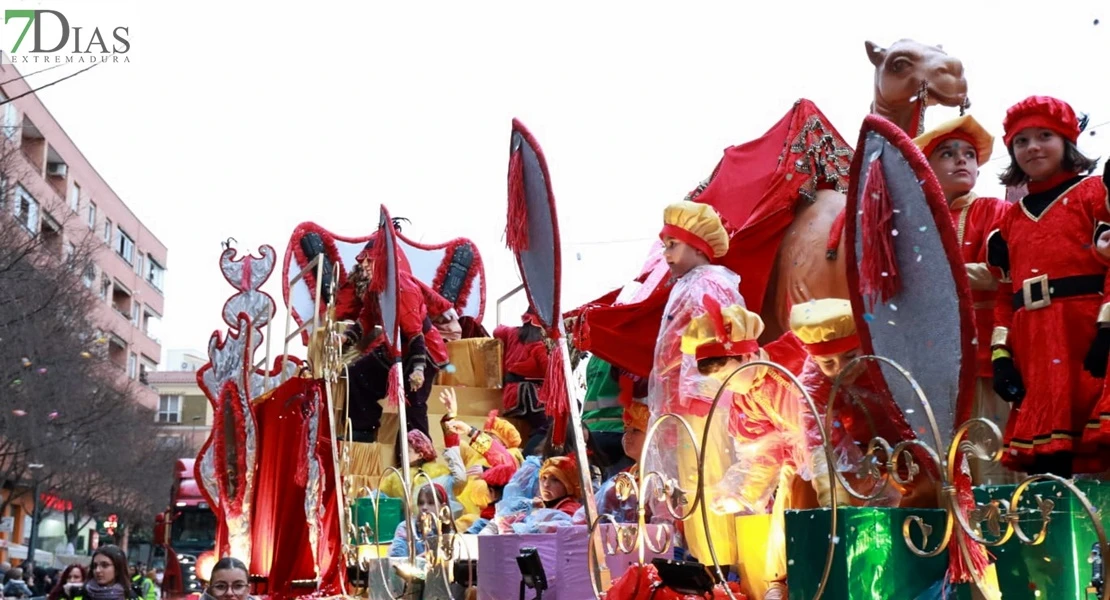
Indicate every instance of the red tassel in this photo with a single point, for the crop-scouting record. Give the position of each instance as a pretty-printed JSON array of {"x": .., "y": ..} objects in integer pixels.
[
  {"x": 967, "y": 559},
  {"x": 516, "y": 225},
  {"x": 879, "y": 277},
  {"x": 555, "y": 391},
  {"x": 395, "y": 391}
]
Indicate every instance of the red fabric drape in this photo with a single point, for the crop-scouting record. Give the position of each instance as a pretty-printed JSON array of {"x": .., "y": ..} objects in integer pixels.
[
  {"x": 755, "y": 188},
  {"x": 280, "y": 548}
]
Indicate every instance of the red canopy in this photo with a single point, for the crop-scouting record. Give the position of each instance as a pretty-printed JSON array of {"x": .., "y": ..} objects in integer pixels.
[{"x": 756, "y": 185}]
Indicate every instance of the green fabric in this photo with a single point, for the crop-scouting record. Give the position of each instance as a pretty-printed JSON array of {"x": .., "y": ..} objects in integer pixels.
[
  {"x": 601, "y": 410},
  {"x": 390, "y": 514},
  {"x": 1059, "y": 567},
  {"x": 871, "y": 558},
  {"x": 599, "y": 385},
  {"x": 604, "y": 419}
]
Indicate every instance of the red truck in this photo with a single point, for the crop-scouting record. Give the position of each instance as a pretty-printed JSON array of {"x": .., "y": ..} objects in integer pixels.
[{"x": 184, "y": 536}]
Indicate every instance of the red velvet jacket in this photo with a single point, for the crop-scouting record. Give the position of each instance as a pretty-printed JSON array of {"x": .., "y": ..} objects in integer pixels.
[
  {"x": 974, "y": 219},
  {"x": 420, "y": 340}
]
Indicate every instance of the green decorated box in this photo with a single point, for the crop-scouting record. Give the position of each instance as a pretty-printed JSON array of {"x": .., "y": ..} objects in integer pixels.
[
  {"x": 390, "y": 514},
  {"x": 1060, "y": 566},
  {"x": 871, "y": 557}
]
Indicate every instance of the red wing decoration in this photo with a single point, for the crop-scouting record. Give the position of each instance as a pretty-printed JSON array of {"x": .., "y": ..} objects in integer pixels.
[
  {"x": 532, "y": 233},
  {"x": 909, "y": 287},
  {"x": 453, "y": 269},
  {"x": 912, "y": 301}
]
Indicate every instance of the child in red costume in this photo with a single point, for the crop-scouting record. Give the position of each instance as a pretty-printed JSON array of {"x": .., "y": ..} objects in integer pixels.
[
  {"x": 955, "y": 150},
  {"x": 423, "y": 350},
  {"x": 559, "y": 488},
  {"x": 1051, "y": 338},
  {"x": 524, "y": 364}
]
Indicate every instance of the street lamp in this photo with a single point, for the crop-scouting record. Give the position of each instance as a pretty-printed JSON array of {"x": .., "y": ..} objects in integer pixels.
[{"x": 34, "y": 514}]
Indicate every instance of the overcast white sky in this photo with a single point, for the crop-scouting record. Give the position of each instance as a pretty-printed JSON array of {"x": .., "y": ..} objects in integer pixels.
[{"x": 243, "y": 119}]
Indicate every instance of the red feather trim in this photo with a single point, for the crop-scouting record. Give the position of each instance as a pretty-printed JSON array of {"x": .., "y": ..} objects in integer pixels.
[
  {"x": 556, "y": 402},
  {"x": 879, "y": 279},
  {"x": 516, "y": 226},
  {"x": 395, "y": 390},
  {"x": 713, "y": 309},
  {"x": 967, "y": 559},
  {"x": 835, "y": 233},
  {"x": 230, "y": 399}
]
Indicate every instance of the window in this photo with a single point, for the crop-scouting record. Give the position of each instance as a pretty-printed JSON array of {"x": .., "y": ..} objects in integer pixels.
[
  {"x": 152, "y": 324},
  {"x": 26, "y": 209},
  {"x": 75, "y": 196},
  {"x": 146, "y": 367},
  {"x": 11, "y": 118},
  {"x": 70, "y": 250},
  {"x": 136, "y": 313},
  {"x": 3, "y": 191},
  {"x": 89, "y": 276},
  {"x": 105, "y": 288},
  {"x": 90, "y": 215},
  {"x": 139, "y": 263},
  {"x": 132, "y": 365},
  {"x": 125, "y": 246},
  {"x": 155, "y": 274},
  {"x": 169, "y": 409},
  {"x": 107, "y": 231}
]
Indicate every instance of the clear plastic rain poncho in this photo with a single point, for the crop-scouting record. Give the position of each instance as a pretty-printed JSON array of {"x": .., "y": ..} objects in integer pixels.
[{"x": 676, "y": 386}]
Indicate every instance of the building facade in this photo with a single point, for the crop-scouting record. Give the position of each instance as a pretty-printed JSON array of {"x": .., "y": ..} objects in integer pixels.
[
  {"x": 184, "y": 413},
  {"x": 53, "y": 190}
]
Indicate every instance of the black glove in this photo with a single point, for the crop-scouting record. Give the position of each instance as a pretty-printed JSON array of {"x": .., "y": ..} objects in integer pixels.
[
  {"x": 1007, "y": 380},
  {"x": 1099, "y": 353},
  {"x": 352, "y": 336}
]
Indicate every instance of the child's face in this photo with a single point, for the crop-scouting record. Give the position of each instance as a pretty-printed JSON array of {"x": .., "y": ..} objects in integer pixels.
[
  {"x": 742, "y": 382},
  {"x": 551, "y": 488},
  {"x": 681, "y": 257},
  {"x": 1039, "y": 152},
  {"x": 956, "y": 166},
  {"x": 833, "y": 364},
  {"x": 633, "y": 443},
  {"x": 425, "y": 503}
]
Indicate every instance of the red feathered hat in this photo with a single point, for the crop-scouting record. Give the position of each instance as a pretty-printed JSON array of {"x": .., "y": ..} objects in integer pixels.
[
  {"x": 498, "y": 476},
  {"x": 1041, "y": 111}
]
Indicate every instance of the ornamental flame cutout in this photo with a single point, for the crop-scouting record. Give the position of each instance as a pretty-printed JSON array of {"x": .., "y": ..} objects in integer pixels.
[{"x": 226, "y": 464}]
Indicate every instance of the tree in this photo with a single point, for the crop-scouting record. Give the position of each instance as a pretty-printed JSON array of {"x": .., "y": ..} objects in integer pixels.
[{"x": 64, "y": 406}]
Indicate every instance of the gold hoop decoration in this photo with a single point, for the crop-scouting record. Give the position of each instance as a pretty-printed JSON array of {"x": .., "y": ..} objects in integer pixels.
[
  {"x": 989, "y": 447},
  {"x": 441, "y": 513},
  {"x": 375, "y": 497},
  {"x": 829, "y": 456}
]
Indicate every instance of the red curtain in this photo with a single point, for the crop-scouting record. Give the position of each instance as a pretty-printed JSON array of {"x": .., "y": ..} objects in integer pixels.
[{"x": 280, "y": 548}]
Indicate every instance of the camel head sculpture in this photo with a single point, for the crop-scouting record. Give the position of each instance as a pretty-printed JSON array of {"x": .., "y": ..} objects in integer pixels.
[{"x": 910, "y": 76}]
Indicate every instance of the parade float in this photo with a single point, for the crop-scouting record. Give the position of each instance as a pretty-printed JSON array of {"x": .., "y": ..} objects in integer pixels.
[{"x": 296, "y": 485}]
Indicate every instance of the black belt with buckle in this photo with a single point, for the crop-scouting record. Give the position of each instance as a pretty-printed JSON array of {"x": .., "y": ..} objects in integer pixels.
[
  {"x": 1038, "y": 292},
  {"x": 514, "y": 378}
]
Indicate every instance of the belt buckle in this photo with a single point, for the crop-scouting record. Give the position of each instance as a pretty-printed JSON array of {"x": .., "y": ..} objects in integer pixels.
[{"x": 1027, "y": 292}]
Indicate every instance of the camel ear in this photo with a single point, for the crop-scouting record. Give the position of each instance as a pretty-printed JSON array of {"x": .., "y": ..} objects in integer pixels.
[{"x": 875, "y": 53}]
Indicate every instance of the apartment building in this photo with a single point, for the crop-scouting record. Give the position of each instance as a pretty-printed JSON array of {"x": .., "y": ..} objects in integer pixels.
[{"x": 54, "y": 191}]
